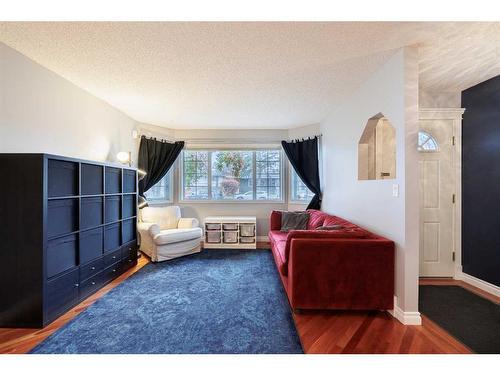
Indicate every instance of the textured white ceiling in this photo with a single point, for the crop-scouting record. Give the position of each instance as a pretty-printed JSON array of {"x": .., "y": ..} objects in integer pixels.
[{"x": 247, "y": 75}]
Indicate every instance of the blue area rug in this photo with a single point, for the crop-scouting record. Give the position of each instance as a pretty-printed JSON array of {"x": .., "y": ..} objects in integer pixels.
[{"x": 217, "y": 301}]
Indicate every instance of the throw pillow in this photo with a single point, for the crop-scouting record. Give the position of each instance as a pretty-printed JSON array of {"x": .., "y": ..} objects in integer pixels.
[{"x": 294, "y": 220}]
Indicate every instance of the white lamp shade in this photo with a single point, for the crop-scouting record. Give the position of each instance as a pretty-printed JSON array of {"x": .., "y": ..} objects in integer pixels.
[{"x": 123, "y": 157}]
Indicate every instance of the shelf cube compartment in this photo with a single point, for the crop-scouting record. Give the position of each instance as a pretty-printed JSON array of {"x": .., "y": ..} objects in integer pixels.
[
  {"x": 230, "y": 226},
  {"x": 129, "y": 181},
  {"x": 62, "y": 178},
  {"x": 62, "y": 216},
  {"x": 92, "y": 178},
  {"x": 91, "y": 212},
  {"x": 112, "y": 210},
  {"x": 91, "y": 244},
  {"x": 129, "y": 206},
  {"x": 113, "y": 180},
  {"x": 128, "y": 230},
  {"x": 61, "y": 254},
  {"x": 112, "y": 237}
]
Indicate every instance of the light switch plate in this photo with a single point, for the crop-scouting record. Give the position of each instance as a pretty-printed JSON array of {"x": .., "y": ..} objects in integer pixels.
[{"x": 395, "y": 190}]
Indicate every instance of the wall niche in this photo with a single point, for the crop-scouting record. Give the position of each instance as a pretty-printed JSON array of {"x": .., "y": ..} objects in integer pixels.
[{"x": 377, "y": 150}]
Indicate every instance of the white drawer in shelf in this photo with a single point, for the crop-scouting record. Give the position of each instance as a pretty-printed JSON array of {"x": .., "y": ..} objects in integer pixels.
[
  {"x": 247, "y": 240},
  {"x": 230, "y": 237},
  {"x": 213, "y": 237},
  {"x": 212, "y": 226},
  {"x": 229, "y": 226},
  {"x": 247, "y": 230}
]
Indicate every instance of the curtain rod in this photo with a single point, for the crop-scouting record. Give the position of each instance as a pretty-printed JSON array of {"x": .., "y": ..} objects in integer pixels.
[
  {"x": 160, "y": 139},
  {"x": 307, "y": 138},
  {"x": 194, "y": 141}
]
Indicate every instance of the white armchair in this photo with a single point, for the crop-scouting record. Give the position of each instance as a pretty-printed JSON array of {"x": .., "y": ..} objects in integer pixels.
[{"x": 164, "y": 235}]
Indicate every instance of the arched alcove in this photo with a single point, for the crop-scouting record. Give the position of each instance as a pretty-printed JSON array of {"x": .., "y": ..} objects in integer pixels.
[{"x": 377, "y": 150}]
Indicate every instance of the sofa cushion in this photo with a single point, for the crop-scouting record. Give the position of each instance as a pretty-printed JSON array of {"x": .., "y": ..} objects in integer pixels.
[
  {"x": 316, "y": 219},
  {"x": 335, "y": 220},
  {"x": 277, "y": 235},
  {"x": 167, "y": 236},
  {"x": 314, "y": 234}
]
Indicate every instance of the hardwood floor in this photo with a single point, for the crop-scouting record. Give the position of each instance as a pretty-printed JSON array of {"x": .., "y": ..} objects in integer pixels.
[
  {"x": 374, "y": 332},
  {"x": 319, "y": 331}
]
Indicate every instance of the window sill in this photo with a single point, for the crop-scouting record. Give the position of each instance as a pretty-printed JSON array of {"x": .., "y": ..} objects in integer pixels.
[
  {"x": 160, "y": 203},
  {"x": 230, "y": 202}
]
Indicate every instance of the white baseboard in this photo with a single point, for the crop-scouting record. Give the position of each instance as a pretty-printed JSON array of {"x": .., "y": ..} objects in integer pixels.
[
  {"x": 478, "y": 283},
  {"x": 410, "y": 318}
]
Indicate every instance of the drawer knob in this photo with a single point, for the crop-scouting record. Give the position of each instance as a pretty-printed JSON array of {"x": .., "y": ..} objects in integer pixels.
[
  {"x": 114, "y": 270},
  {"x": 92, "y": 268},
  {"x": 77, "y": 285},
  {"x": 93, "y": 282},
  {"x": 130, "y": 260},
  {"x": 114, "y": 256}
]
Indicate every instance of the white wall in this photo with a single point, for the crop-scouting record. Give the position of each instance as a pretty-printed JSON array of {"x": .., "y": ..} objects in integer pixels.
[
  {"x": 392, "y": 90},
  {"x": 304, "y": 131},
  {"x": 434, "y": 99},
  {"x": 42, "y": 112}
]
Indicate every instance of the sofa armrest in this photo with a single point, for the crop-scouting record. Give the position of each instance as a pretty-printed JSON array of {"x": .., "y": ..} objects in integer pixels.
[
  {"x": 186, "y": 223},
  {"x": 275, "y": 220},
  {"x": 151, "y": 228},
  {"x": 341, "y": 273}
]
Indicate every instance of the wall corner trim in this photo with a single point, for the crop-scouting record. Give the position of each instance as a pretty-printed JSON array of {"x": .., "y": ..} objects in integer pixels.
[
  {"x": 410, "y": 318},
  {"x": 478, "y": 283}
]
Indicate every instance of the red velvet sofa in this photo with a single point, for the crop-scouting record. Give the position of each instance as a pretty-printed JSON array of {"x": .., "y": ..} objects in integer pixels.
[{"x": 349, "y": 268}]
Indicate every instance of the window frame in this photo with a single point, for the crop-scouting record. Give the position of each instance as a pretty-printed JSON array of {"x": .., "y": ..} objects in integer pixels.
[
  {"x": 170, "y": 198},
  {"x": 431, "y": 138},
  {"x": 291, "y": 199},
  {"x": 210, "y": 200}
]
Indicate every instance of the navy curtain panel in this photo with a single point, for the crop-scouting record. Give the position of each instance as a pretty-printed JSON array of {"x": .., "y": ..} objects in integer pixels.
[
  {"x": 155, "y": 158},
  {"x": 303, "y": 156}
]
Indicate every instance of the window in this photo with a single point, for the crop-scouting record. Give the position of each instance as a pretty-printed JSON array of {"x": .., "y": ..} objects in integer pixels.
[
  {"x": 299, "y": 191},
  {"x": 161, "y": 191},
  {"x": 426, "y": 142},
  {"x": 234, "y": 175},
  {"x": 268, "y": 170},
  {"x": 195, "y": 175}
]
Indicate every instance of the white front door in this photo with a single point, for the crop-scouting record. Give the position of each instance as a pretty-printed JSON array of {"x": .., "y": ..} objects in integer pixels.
[{"x": 437, "y": 181}]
